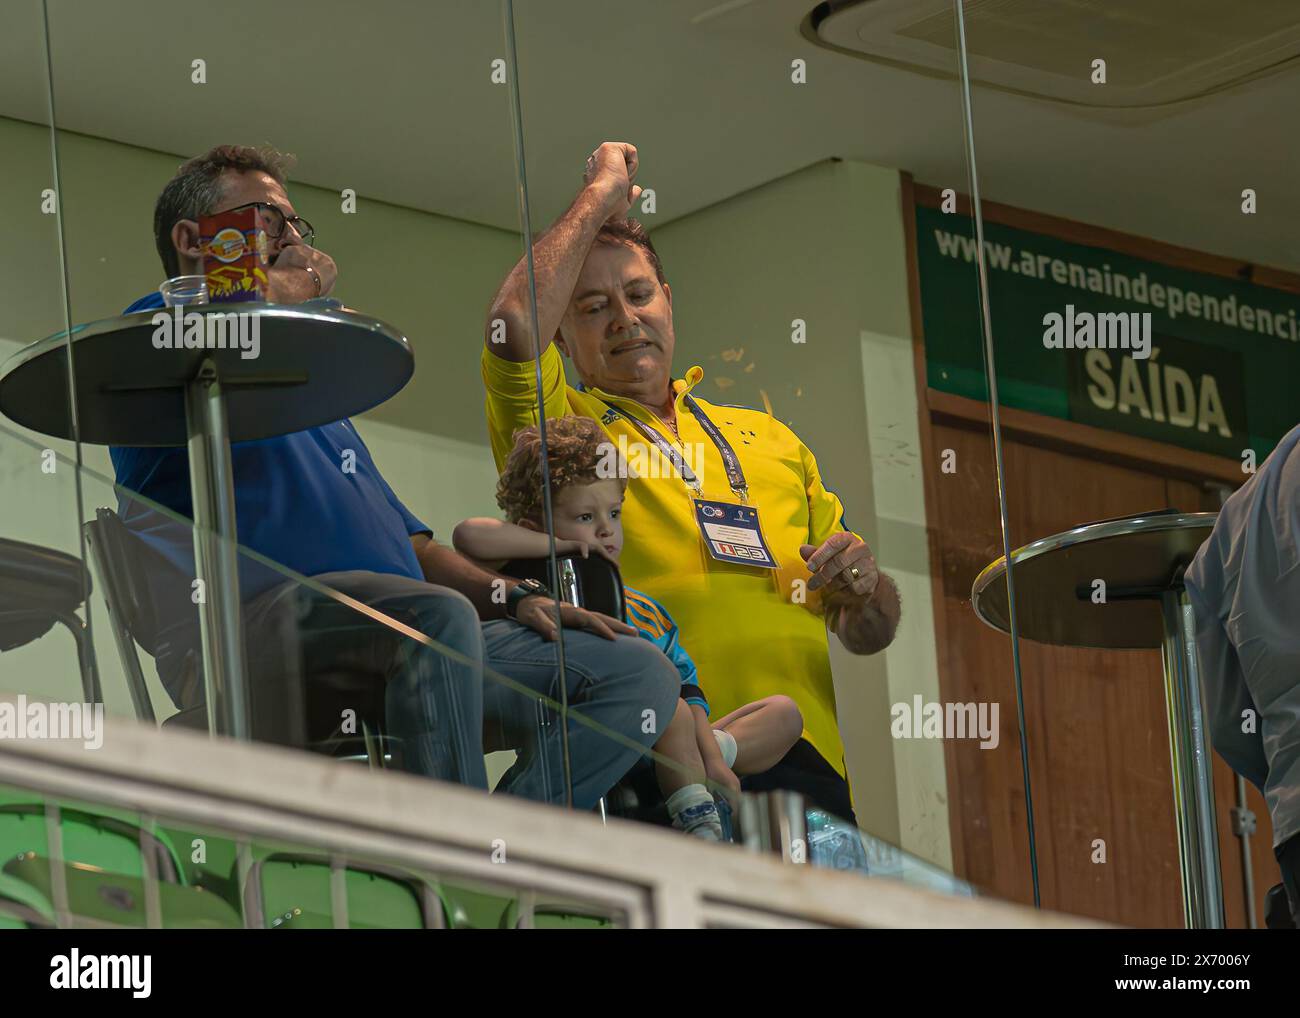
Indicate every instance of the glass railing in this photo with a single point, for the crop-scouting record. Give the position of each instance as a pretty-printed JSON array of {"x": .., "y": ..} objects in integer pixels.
[
  {"x": 732, "y": 389},
  {"x": 852, "y": 392}
]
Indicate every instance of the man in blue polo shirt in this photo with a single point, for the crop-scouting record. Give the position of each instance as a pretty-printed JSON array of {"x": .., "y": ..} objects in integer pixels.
[{"x": 297, "y": 505}]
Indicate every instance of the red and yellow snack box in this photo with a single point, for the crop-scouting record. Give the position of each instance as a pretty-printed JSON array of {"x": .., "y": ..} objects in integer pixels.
[{"x": 235, "y": 255}]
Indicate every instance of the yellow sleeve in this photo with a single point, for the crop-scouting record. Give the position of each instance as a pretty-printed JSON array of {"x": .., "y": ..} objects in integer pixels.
[
  {"x": 511, "y": 388},
  {"x": 825, "y": 510}
]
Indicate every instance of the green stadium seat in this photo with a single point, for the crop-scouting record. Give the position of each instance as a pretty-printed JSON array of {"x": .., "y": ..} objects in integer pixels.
[
  {"x": 216, "y": 872},
  {"x": 563, "y": 916},
  {"x": 98, "y": 898},
  {"x": 290, "y": 889},
  {"x": 22, "y": 906},
  {"x": 286, "y": 890},
  {"x": 473, "y": 910},
  {"x": 93, "y": 838},
  {"x": 561, "y": 920},
  {"x": 297, "y": 919}
]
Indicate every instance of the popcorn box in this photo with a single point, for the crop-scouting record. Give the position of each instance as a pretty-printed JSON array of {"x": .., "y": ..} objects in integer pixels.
[{"x": 235, "y": 256}]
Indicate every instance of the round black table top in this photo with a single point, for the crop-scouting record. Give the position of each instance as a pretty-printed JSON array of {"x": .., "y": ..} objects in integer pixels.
[
  {"x": 315, "y": 363},
  {"x": 1054, "y": 580}
]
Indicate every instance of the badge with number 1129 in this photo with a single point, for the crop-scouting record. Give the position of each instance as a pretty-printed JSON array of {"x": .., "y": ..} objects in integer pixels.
[{"x": 732, "y": 533}]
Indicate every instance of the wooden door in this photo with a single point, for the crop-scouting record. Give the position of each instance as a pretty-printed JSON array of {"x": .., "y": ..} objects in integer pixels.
[{"x": 1097, "y": 730}]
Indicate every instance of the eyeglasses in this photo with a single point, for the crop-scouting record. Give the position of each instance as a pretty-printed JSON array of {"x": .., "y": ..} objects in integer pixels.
[{"x": 274, "y": 221}]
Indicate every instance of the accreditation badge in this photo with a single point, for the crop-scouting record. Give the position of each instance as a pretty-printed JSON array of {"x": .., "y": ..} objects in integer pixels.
[{"x": 732, "y": 533}]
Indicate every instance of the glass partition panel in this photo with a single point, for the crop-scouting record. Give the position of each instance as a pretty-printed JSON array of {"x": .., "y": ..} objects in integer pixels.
[
  {"x": 790, "y": 370},
  {"x": 818, "y": 452},
  {"x": 328, "y": 416},
  {"x": 1137, "y": 215},
  {"x": 44, "y": 635}
]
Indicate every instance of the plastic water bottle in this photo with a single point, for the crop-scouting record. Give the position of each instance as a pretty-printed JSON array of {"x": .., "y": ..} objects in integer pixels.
[{"x": 833, "y": 843}]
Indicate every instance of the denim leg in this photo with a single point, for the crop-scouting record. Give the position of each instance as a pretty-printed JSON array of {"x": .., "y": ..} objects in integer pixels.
[
  {"x": 433, "y": 700},
  {"x": 434, "y": 703},
  {"x": 612, "y": 683}
]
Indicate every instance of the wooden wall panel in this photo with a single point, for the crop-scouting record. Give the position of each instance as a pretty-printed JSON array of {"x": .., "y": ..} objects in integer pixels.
[
  {"x": 1098, "y": 740},
  {"x": 1098, "y": 743}
]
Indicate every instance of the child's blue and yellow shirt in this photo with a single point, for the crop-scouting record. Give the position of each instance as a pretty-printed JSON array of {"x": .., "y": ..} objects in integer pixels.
[{"x": 657, "y": 626}]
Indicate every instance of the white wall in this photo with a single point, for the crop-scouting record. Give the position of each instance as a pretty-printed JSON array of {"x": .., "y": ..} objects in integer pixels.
[{"x": 911, "y": 663}]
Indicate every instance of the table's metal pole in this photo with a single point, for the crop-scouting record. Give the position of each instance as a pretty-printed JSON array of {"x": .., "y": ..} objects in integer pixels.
[
  {"x": 775, "y": 822},
  {"x": 212, "y": 488},
  {"x": 1198, "y": 838}
]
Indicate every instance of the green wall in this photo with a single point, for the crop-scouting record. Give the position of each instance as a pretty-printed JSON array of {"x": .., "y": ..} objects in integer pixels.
[{"x": 430, "y": 276}]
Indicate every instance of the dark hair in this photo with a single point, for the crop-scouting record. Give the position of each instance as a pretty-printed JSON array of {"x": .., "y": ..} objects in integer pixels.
[
  {"x": 632, "y": 233},
  {"x": 196, "y": 190},
  {"x": 575, "y": 449}
]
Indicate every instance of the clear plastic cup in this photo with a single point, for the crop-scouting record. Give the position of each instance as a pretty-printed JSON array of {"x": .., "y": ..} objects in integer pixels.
[{"x": 181, "y": 290}]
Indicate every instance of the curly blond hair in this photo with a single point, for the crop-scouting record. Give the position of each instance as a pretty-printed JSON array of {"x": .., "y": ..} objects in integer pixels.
[{"x": 576, "y": 446}]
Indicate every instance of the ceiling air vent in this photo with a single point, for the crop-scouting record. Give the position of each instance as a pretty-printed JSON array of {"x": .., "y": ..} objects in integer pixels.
[{"x": 1157, "y": 52}]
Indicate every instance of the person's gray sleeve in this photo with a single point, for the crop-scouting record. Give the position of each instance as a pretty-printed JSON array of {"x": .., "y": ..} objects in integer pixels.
[
  {"x": 1231, "y": 714},
  {"x": 1264, "y": 627},
  {"x": 1244, "y": 586}
]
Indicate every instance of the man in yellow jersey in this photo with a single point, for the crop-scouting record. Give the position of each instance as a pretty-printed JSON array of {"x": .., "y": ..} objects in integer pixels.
[{"x": 738, "y": 537}]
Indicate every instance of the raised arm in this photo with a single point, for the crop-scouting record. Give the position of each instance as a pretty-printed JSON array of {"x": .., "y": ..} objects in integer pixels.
[
  {"x": 485, "y": 539},
  {"x": 608, "y": 192},
  {"x": 490, "y": 540}
]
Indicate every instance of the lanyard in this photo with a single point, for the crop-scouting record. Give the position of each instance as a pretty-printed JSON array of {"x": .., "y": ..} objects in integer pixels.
[{"x": 735, "y": 475}]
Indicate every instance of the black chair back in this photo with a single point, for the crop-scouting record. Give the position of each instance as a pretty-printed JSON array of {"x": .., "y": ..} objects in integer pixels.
[
  {"x": 38, "y": 587},
  {"x": 593, "y": 583},
  {"x": 121, "y": 554},
  {"x": 120, "y": 557}
]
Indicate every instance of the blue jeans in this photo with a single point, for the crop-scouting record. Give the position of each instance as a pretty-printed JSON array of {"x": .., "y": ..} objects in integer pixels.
[{"x": 479, "y": 688}]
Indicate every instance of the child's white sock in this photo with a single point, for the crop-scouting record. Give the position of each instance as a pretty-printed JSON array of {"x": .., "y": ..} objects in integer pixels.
[
  {"x": 726, "y": 743},
  {"x": 694, "y": 811}
]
